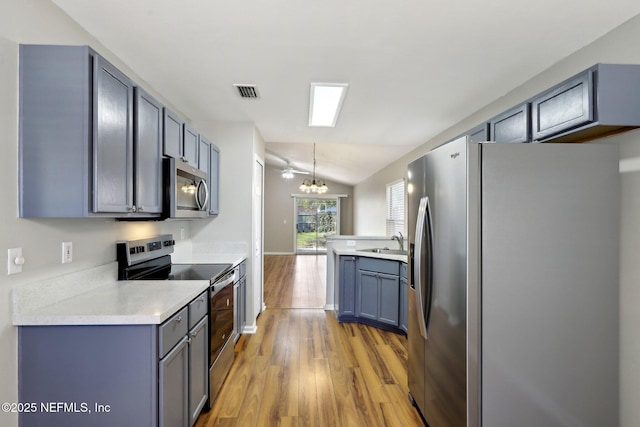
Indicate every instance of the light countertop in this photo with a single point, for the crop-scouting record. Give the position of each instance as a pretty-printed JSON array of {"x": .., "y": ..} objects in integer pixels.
[
  {"x": 355, "y": 252},
  {"x": 96, "y": 297},
  {"x": 122, "y": 302}
]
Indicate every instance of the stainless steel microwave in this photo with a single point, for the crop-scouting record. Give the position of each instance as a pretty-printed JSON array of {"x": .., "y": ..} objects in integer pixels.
[{"x": 186, "y": 194}]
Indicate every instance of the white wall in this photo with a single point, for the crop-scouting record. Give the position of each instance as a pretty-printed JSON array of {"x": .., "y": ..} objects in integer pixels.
[
  {"x": 232, "y": 228},
  {"x": 619, "y": 46}
]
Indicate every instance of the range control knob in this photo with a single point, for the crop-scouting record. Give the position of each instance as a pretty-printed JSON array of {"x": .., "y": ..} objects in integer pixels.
[{"x": 169, "y": 242}]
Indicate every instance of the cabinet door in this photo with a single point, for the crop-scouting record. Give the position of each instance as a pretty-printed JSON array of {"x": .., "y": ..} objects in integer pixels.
[
  {"x": 389, "y": 310},
  {"x": 148, "y": 153},
  {"x": 243, "y": 303},
  {"x": 112, "y": 139},
  {"x": 172, "y": 135},
  {"x": 512, "y": 125},
  {"x": 404, "y": 304},
  {"x": 564, "y": 107},
  {"x": 173, "y": 379},
  {"x": 479, "y": 133},
  {"x": 367, "y": 306},
  {"x": 191, "y": 145},
  {"x": 204, "y": 154},
  {"x": 214, "y": 181},
  {"x": 198, "y": 368},
  {"x": 347, "y": 289}
]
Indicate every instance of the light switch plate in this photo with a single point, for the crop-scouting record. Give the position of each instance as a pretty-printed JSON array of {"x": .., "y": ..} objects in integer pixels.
[
  {"x": 67, "y": 252},
  {"x": 351, "y": 243},
  {"x": 14, "y": 261}
]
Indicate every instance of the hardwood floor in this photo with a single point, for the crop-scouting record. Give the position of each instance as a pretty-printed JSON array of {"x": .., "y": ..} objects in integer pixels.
[
  {"x": 303, "y": 368},
  {"x": 295, "y": 281}
]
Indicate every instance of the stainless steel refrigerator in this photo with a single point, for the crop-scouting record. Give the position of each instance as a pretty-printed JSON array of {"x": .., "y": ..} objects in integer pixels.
[{"x": 513, "y": 297}]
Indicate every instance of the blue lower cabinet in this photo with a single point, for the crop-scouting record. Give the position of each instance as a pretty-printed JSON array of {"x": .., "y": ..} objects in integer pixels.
[
  {"x": 346, "y": 301},
  {"x": 369, "y": 291},
  {"x": 404, "y": 298},
  {"x": 115, "y": 375}
]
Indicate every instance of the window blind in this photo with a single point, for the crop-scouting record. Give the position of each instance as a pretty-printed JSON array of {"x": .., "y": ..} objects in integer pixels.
[{"x": 395, "y": 208}]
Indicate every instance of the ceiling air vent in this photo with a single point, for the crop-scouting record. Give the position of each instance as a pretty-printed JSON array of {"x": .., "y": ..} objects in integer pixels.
[{"x": 247, "y": 91}]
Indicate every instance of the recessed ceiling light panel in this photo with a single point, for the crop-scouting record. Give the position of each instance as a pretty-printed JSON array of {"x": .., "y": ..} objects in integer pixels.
[{"x": 325, "y": 103}]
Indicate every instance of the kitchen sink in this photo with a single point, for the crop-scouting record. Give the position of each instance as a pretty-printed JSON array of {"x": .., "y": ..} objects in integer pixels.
[{"x": 385, "y": 251}]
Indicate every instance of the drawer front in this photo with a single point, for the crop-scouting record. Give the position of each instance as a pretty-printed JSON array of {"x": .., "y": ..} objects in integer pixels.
[
  {"x": 198, "y": 309},
  {"x": 172, "y": 331},
  {"x": 403, "y": 270},
  {"x": 378, "y": 265}
]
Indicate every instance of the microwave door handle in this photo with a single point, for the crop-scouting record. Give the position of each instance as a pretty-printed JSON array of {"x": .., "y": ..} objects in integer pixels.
[
  {"x": 418, "y": 265},
  {"x": 202, "y": 184}
]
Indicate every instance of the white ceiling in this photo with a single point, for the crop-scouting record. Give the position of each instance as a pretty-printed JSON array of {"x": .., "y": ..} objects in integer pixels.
[{"x": 414, "y": 67}]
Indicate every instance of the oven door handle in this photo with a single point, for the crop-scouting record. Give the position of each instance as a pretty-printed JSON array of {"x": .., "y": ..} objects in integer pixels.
[{"x": 218, "y": 285}]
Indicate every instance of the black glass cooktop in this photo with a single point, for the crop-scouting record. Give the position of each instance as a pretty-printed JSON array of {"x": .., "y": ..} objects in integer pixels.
[
  {"x": 197, "y": 271},
  {"x": 162, "y": 269}
]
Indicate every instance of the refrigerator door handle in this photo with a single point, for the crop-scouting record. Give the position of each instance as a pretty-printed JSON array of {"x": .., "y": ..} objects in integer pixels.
[{"x": 424, "y": 262}]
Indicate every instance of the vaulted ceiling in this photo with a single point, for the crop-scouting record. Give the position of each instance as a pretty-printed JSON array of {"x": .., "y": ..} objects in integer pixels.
[{"x": 414, "y": 67}]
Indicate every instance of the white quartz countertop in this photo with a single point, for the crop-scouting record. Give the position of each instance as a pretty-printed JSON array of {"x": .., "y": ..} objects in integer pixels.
[
  {"x": 355, "y": 252},
  {"x": 119, "y": 303},
  {"x": 96, "y": 297}
]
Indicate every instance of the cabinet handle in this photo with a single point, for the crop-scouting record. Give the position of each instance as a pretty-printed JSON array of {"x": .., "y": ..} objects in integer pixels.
[
  {"x": 179, "y": 319},
  {"x": 140, "y": 209},
  {"x": 132, "y": 209},
  {"x": 194, "y": 334}
]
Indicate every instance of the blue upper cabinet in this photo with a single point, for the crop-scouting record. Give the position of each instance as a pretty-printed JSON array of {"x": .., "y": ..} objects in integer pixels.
[
  {"x": 113, "y": 139},
  {"x": 214, "y": 181},
  {"x": 172, "y": 135},
  {"x": 148, "y": 152},
  {"x": 566, "y": 106},
  {"x": 479, "y": 133},
  {"x": 191, "y": 139},
  {"x": 601, "y": 100},
  {"x": 512, "y": 125},
  {"x": 76, "y": 135},
  {"x": 209, "y": 162}
]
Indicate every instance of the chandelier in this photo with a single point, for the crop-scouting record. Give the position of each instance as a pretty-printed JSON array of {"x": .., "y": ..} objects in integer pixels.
[{"x": 313, "y": 186}]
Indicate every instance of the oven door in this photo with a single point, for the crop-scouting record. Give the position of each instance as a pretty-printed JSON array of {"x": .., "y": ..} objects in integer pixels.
[{"x": 221, "y": 317}]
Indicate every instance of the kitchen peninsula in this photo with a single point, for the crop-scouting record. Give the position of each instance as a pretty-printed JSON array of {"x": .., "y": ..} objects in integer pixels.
[{"x": 367, "y": 281}]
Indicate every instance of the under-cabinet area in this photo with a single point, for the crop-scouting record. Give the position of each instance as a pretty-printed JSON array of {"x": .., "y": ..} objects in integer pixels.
[{"x": 373, "y": 291}]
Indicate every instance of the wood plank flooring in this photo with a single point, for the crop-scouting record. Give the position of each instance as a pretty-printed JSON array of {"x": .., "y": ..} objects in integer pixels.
[
  {"x": 292, "y": 281},
  {"x": 303, "y": 368}
]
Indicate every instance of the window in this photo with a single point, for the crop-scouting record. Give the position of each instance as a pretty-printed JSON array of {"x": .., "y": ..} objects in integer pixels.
[{"x": 395, "y": 208}]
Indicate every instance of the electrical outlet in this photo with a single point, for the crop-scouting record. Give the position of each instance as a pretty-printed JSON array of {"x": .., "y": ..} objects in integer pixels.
[{"x": 67, "y": 252}]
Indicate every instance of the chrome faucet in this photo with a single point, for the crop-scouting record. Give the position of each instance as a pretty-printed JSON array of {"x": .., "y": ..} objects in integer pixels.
[{"x": 400, "y": 239}]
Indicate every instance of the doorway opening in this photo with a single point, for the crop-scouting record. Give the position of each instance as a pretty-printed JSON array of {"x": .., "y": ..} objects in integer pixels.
[{"x": 316, "y": 218}]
